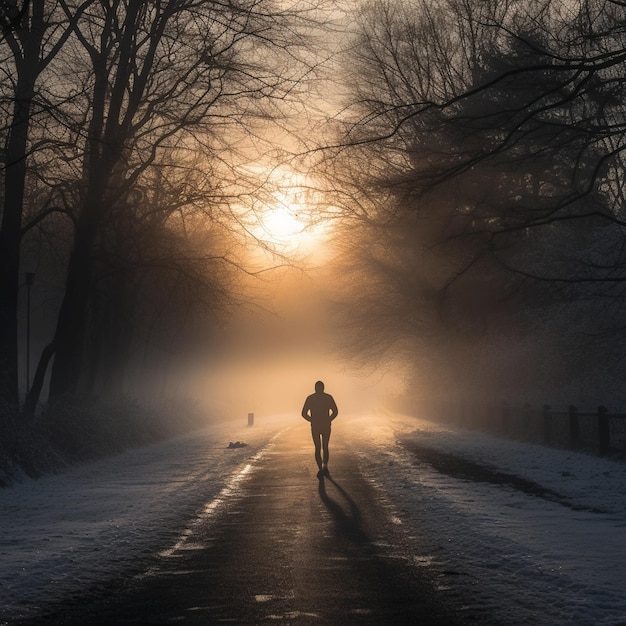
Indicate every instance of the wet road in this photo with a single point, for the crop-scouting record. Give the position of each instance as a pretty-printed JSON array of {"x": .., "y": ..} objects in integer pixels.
[{"x": 288, "y": 549}]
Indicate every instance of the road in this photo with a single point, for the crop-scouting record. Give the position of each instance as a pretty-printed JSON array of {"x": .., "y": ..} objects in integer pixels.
[{"x": 289, "y": 548}]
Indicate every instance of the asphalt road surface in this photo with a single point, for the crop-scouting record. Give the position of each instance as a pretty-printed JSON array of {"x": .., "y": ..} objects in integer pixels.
[{"x": 289, "y": 548}]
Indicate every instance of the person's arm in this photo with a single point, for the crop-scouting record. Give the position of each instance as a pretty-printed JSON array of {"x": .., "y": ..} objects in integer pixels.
[
  {"x": 334, "y": 411},
  {"x": 305, "y": 410}
]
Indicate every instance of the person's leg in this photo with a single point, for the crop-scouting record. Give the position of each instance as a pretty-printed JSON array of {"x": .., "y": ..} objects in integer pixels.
[
  {"x": 318, "y": 447},
  {"x": 325, "y": 441}
]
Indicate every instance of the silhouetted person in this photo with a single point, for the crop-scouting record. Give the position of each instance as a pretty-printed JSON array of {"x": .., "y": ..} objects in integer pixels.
[{"x": 320, "y": 409}]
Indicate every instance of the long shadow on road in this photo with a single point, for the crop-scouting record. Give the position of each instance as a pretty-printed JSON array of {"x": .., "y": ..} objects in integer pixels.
[{"x": 348, "y": 522}]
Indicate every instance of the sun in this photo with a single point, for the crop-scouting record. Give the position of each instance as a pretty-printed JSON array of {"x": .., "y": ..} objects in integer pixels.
[
  {"x": 282, "y": 220},
  {"x": 286, "y": 216}
]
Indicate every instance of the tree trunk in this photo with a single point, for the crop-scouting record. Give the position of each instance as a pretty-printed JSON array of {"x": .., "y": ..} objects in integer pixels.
[
  {"x": 68, "y": 337},
  {"x": 10, "y": 235},
  {"x": 32, "y": 398},
  {"x": 9, "y": 276}
]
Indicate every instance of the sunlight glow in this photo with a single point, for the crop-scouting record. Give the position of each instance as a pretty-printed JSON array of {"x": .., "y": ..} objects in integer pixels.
[
  {"x": 288, "y": 216},
  {"x": 281, "y": 221}
]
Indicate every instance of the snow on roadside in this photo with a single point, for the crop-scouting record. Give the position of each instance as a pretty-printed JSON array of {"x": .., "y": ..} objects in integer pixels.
[
  {"x": 526, "y": 559},
  {"x": 62, "y": 533}
]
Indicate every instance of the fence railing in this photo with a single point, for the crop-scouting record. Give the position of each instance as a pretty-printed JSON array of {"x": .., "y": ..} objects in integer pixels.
[{"x": 600, "y": 429}]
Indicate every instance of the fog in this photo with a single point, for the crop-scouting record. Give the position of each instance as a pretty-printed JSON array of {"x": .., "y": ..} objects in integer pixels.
[
  {"x": 279, "y": 385},
  {"x": 267, "y": 359}
]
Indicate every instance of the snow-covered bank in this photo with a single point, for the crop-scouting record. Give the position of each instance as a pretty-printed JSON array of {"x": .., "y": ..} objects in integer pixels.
[
  {"x": 528, "y": 559},
  {"x": 64, "y": 533},
  {"x": 557, "y": 556}
]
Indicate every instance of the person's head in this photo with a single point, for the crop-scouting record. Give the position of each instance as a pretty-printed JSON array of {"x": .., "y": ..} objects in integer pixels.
[{"x": 319, "y": 386}]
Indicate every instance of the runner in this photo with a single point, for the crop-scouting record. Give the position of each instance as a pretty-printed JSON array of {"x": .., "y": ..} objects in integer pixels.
[{"x": 320, "y": 409}]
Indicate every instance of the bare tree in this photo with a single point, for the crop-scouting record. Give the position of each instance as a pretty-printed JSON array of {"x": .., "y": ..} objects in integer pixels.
[
  {"x": 101, "y": 100},
  {"x": 162, "y": 79},
  {"x": 519, "y": 128},
  {"x": 31, "y": 38},
  {"x": 493, "y": 135}
]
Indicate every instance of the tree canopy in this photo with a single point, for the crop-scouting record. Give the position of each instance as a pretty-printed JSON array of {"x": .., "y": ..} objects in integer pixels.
[{"x": 490, "y": 205}]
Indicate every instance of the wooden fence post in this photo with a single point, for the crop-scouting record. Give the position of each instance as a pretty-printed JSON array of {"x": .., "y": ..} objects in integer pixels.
[
  {"x": 506, "y": 416},
  {"x": 524, "y": 428},
  {"x": 574, "y": 429},
  {"x": 604, "y": 436},
  {"x": 478, "y": 415},
  {"x": 547, "y": 425}
]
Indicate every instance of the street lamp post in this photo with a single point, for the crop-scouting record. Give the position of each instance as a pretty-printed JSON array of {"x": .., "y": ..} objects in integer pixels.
[{"x": 30, "y": 276}]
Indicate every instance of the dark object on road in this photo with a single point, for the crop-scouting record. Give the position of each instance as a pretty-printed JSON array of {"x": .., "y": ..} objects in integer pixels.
[{"x": 237, "y": 444}]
